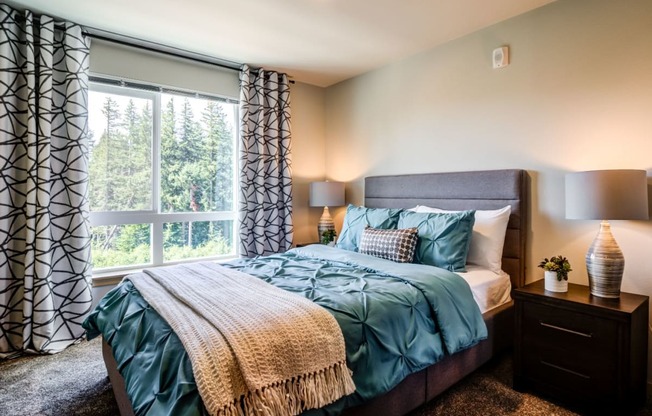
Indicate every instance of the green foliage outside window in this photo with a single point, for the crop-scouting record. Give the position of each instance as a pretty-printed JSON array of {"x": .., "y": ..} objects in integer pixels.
[{"x": 196, "y": 176}]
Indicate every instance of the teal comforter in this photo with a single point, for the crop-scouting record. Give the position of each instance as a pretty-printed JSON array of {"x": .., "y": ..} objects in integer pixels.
[{"x": 396, "y": 319}]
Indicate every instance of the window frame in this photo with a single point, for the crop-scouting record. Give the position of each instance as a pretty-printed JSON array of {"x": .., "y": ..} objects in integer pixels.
[{"x": 155, "y": 216}]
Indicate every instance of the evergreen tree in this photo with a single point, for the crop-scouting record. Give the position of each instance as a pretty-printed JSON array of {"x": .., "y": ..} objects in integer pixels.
[
  {"x": 101, "y": 168},
  {"x": 192, "y": 181},
  {"x": 170, "y": 163},
  {"x": 218, "y": 161},
  {"x": 102, "y": 171},
  {"x": 136, "y": 184},
  {"x": 196, "y": 176}
]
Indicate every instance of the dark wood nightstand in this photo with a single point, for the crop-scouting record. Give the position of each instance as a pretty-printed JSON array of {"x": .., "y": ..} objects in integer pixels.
[
  {"x": 306, "y": 244},
  {"x": 586, "y": 351}
]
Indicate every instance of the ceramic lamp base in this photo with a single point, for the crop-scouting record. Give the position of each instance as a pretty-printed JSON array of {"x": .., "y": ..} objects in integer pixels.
[
  {"x": 325, "y": 223},
  {"x": 605, "y": 264}
]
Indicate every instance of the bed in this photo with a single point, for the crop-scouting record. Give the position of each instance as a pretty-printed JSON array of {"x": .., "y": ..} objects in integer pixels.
[{"x": 483, "y": 190}]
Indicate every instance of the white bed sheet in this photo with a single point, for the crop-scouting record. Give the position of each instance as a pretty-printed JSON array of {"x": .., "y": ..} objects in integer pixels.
[{"x": 489, "y": 289}]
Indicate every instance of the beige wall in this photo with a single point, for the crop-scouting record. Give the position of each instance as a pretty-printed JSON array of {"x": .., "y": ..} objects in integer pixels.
[
  {"x": 577, "y": 96},
  {"x": 308, "y": 156}
]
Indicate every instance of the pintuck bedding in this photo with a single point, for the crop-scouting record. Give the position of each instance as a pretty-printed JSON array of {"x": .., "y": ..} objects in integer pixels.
[{"x": 396, "y": 319}]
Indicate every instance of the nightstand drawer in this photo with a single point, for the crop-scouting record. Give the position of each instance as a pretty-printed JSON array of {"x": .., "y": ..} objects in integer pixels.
[
  {"x": 576, "y": 373},
  {"x": 569, "y": 379},
  {"x": 568, "y": 332}
]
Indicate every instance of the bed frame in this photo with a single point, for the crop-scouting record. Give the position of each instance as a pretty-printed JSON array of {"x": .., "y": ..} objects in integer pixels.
[{"x": 456, "y": 190}]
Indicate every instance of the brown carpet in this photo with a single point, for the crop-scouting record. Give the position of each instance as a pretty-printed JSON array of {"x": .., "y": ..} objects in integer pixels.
[
  {"x": 488, "y": 392},
  {"x": 75, "y": 383}
]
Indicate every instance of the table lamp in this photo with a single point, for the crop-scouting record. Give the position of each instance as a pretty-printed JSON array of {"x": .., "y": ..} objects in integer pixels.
[
  {"x": 326, "y": 194},
  {"x": 606, "y": 195}
]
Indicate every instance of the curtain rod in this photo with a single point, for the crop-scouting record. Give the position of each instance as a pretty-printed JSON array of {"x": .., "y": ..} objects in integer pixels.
[
  {"x": 133, "y": 42},
  {"x": 156, "y": 47},
  {"x": 150, "y": 46}
]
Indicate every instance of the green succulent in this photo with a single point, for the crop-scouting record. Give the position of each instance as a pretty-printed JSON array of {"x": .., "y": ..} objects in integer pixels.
[
  {"x": 559, "y": 264},
  {"x": 327, "y": 236}
]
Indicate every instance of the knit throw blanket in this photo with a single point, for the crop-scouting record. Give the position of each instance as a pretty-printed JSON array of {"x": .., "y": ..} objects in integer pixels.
[{"x": 255, "y": 349}]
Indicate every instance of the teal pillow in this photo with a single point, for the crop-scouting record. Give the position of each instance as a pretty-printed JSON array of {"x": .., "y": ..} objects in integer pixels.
[
  {"x": 357, "y": 218},
  {"x": 444, "y": 238}
]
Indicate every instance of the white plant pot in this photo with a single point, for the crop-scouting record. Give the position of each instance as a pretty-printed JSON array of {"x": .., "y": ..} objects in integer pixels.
[{"x": 554, "y": 285}]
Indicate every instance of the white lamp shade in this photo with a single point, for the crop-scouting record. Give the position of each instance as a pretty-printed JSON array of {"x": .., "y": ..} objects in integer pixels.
[
  {"x": 607, "y": 195},
  {"x": 326, "y": 194}
]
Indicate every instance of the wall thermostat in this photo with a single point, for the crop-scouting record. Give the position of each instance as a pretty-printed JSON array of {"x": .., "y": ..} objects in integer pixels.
[{"x": 501, "y": 57}]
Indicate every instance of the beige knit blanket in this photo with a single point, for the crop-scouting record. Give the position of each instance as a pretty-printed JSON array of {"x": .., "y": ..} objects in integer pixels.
[{"x": 255, "y": 349}]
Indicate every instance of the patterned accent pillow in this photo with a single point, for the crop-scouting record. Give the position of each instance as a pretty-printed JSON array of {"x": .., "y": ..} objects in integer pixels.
[
  {"x": 395, "y": 245},
  {"x": 357, "y": 218}
]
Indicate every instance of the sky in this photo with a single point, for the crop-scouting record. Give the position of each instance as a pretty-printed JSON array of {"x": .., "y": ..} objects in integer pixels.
[{"x": 97, "y": 121}]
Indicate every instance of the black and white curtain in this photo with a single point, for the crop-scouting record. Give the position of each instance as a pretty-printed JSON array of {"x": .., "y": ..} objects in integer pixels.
[
  {"x": 265, "y": 204},
  {"x": 45, "y": 286}
]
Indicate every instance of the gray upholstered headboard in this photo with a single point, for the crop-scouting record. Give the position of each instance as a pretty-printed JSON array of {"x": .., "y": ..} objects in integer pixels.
[{"x": 490, "y": 189}]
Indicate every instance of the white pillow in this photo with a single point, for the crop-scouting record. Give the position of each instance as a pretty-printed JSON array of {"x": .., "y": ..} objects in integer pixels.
[{"x": 488, "y": 236}]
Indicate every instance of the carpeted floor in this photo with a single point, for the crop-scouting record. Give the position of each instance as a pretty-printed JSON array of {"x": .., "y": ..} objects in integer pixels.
[{"x": 75, "y": 383}]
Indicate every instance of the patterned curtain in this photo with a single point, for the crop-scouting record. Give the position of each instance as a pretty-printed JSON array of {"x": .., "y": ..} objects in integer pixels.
[
  {"x": 265, "y": 205},
  {"x": 45, "y": 287}
]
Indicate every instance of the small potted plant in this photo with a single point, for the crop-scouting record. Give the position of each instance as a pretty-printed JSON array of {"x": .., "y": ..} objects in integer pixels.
[
  {"x": 328, "y": 237},
  {"x": 556, "y": 273}
]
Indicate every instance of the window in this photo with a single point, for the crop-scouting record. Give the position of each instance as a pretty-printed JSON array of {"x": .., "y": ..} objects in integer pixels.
[{"x": 162, "y": 177}]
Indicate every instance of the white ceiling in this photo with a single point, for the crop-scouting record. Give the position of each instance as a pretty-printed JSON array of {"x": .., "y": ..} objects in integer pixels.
[{"x": 319, "y": 42}]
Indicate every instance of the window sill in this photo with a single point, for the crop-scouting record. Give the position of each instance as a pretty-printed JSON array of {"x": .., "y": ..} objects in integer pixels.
[
  {"x": 112, "y": 278},
  {"x": 100, "y": 280}
]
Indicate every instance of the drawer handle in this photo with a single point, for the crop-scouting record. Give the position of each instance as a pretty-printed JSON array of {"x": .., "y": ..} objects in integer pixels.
[
  {"x": 583, "y": 334},
  {"x": 565, "y": 369}
]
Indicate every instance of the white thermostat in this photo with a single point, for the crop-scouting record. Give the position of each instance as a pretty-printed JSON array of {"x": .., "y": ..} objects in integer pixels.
[{"x": 501, "y": 57}]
